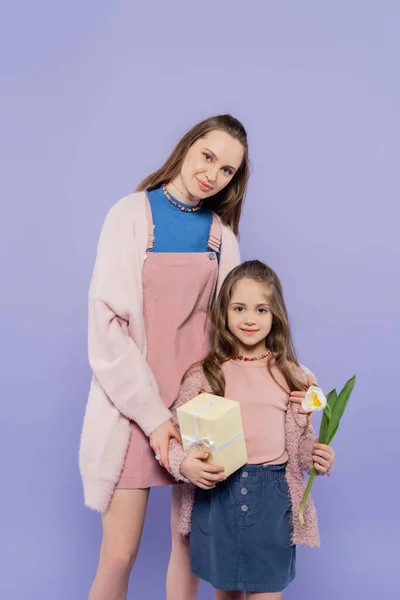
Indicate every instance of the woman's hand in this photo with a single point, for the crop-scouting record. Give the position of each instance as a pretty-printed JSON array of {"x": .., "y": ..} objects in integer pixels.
[
  {"x": 323, "y": 457},
  {"x": 298, "y": 397},
  {"x": 159, "y": 441},
  {"x": 198, "y": 472}
]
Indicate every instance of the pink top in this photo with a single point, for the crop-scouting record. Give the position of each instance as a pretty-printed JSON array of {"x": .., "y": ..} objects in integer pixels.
[{"x": 263, "y": 406}]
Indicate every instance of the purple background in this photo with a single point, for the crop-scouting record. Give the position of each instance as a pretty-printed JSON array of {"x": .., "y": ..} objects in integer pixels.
[{"x": 94, "y": 95}]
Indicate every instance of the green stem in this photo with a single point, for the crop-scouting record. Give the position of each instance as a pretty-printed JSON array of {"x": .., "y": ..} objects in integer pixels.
[{"x": 306, "y": 494}]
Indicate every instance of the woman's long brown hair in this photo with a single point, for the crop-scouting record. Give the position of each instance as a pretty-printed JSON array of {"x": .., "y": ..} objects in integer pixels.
[
  {"x": 228, "y": 202},
  {"x": 279, "y": 340}
]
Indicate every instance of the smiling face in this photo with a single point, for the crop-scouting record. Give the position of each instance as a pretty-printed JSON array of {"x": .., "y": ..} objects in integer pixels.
[
  {"x": 249, "y": 316},
  {"x": 210, "y": 164}
]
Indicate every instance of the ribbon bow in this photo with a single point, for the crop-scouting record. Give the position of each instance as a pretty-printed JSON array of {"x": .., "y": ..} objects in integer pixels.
[{"x": 208, "y": 442}]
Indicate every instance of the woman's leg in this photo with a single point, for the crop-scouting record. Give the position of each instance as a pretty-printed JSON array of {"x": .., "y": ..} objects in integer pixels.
[
  {"x": 181, "y": 583},
  {"x": 122, "y": 530}
]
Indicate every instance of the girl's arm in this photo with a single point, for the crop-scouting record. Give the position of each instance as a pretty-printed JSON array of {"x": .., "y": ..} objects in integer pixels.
[
  {"x": 321, "y": 456},
  {"x": 306, "y": 449},
  {"x": 308, "y": 373},
  {"x": 117, "y": 362},
  {"x": 191, "y": 387},
  {"x": 310, "y": 456},
  {"x": 309, "y": 378}
]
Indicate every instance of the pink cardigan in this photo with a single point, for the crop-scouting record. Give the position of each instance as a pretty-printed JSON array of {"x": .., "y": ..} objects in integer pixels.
[
  {"x": 299, "y": 445},
  {"x": 123, "y": 388}
]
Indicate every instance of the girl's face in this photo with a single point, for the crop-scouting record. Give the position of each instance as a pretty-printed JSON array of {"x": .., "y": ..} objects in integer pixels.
[
  {"x": 249, "y": 315},
  {"x": 210, "y": 165}
]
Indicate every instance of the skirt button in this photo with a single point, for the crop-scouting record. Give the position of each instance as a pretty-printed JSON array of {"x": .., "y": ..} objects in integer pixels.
[
  {"x": 211, "y": 256},
  {"x": 244, "y": 508}
]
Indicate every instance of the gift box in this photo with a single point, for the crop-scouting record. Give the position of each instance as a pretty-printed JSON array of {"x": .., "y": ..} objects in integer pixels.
[{"x": 213, "y": 424}]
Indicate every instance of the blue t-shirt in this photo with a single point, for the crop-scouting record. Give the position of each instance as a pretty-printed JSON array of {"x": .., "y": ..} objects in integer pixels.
[{"x": 176, "y": 230}]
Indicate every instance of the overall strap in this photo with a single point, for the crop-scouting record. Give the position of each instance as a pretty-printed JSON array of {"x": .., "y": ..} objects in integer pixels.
[
  {"x": 215, "y": 236},
  {"x": 150, "y": 227}
]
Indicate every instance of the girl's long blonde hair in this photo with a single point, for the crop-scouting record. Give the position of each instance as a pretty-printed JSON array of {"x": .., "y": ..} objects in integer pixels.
[
  {"x": 228, "y": 202},
  {"x": 224, "y": 345}
]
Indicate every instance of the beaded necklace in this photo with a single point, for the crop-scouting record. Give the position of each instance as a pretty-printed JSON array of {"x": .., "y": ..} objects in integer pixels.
[
  {"x": 180, "y": 206},
  {"x": 252, "y": 358}
]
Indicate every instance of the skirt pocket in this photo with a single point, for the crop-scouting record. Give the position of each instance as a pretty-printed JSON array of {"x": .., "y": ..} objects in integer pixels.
[
  {"x": 281, "y": 487},
  {"x": 281, "y": 513},
  {"x": 202, "y": 510}
]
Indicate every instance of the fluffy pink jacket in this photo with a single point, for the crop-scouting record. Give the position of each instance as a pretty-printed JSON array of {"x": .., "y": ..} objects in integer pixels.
[{"x": 299, "y": 445}]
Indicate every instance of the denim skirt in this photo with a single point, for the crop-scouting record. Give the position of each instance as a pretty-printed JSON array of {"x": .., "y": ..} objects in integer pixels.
[{"x": 241, "y": 535}]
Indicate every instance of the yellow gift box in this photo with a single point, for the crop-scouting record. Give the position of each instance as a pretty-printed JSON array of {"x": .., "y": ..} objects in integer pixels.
[{"x": 213, "y": 424}]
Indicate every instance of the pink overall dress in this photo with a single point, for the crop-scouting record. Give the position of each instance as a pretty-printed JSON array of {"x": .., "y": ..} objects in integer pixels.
[{"x": 178, "y": 291}]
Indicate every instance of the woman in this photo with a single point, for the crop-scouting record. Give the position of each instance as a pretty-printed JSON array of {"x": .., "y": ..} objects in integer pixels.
[{"x": 164, "y": 252}]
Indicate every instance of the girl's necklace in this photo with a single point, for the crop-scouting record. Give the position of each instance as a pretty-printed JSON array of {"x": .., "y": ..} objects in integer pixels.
[{"x": 252, "y": 358}]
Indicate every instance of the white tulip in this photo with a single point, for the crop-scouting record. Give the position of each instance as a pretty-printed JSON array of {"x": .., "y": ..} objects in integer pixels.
[{"x": 314, "y": 400}]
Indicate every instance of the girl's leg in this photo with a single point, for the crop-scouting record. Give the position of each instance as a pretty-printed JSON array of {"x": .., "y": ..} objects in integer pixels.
[
  {"x": 122, "y": 530},
  {"x": 220, "y": 595},
  {"x": 264, "y": 596},
  {"x": 181, "y": 583}
]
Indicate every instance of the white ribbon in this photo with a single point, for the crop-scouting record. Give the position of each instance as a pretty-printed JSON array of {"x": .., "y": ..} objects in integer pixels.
[{"x": 206, "y": 441}]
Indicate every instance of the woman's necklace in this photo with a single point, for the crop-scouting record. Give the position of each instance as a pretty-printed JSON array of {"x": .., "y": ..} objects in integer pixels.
[
  {"x": 252, "y": 358},
  {"x": 178, "y": 190},
  {"x": 180, "y": 206}
]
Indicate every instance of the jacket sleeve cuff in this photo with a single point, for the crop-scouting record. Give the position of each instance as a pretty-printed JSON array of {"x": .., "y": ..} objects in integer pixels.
[
  {"x": 176, "y": 457},
  {"x": 305, "y": 452}
]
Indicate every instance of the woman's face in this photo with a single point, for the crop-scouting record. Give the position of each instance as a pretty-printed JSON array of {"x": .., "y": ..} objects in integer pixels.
[{"x": 210, "y": 164}]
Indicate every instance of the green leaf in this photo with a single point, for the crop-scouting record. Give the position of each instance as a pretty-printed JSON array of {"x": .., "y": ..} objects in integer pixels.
[
  {"x": 332, "y": 434},
  {"x": 331, "y": 398},
  {"x": 324, "y": 428},
  {"x": 341, "y": 403},
  {"x": 328, "y": 412},
  {"x": 339, "y": 408}
]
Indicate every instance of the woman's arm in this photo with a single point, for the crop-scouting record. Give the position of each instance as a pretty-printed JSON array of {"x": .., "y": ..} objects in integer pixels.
[
  {"x": 190, "y": 388},
  {"x": 230, "y": 254},
  {"x": 116, "y": 360}
]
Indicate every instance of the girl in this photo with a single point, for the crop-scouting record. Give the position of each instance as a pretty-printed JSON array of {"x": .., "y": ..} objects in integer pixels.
[
  {"x": 244, "y": 528},
  {"x": 163, "y": 253}
]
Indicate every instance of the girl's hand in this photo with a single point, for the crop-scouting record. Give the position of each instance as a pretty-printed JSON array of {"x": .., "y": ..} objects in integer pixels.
[
  {"x": 298, "y": 397},
  {"x": 203, "y": 475},
  {"x": 159, "y": 441},
  {"x": 323, "y": 457}
]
